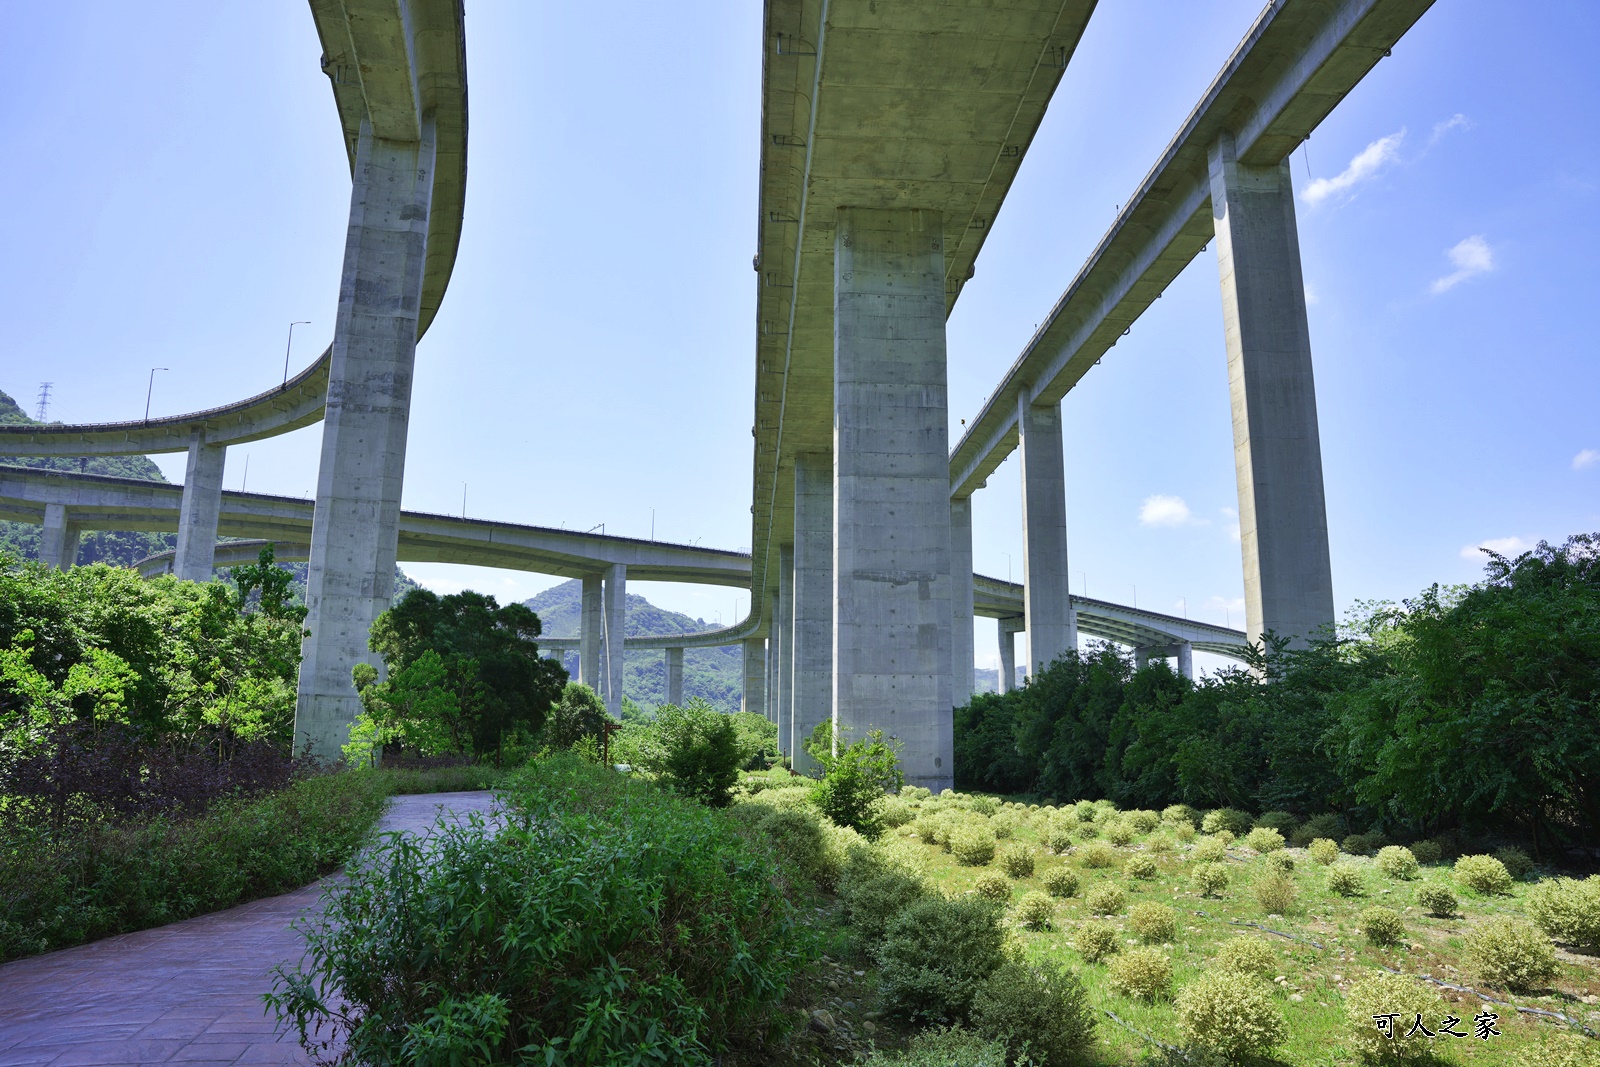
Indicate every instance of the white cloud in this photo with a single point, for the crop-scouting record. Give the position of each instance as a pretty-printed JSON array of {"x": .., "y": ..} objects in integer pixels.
[
  {"x": 1232, "y": 518},
  {"x": 1471, "y": 257},
  {"x": 1505, "y": 546},
  {"x": 1585, "y": 459},
  {"x": 1367, "y": 163},
  {"x": 1457, "y": 121},
  {"x": 1311, "y": 294},
  {"x": 1161, "y": 510}
]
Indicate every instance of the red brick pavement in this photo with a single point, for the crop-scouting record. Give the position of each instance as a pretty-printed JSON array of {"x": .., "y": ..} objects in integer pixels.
[{"x": 188, "y": 993}]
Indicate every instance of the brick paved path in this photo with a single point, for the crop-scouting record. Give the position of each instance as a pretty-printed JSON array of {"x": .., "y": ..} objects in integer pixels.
[{"x": 188, "y": 993}]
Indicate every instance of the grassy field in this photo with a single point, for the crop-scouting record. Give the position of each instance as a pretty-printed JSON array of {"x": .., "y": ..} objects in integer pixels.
[{"x": 1317, "y": 944}]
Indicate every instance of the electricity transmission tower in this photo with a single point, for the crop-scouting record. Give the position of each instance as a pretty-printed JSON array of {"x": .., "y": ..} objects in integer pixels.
[{"x": 44, "y": 400}]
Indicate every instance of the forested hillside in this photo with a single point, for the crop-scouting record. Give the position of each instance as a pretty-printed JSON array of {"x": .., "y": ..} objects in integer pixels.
[{"x": 713, "y": 674}]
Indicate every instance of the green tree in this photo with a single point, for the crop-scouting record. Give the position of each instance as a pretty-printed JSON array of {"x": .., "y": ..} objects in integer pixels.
[
  {"x": 694, "y": 749},
  {"x": 855, "y": 778},
  {"x": 578, "y": 714}
]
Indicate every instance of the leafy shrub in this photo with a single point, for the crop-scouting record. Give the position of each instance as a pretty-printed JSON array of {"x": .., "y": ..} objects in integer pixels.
[
  {"x": 1363, "y": 844},
  {"x": 1427, "y": 851},
  {"x": 1086, "y": 811},
  {"x": 1276, "y": 894},
  {"x": 1281, "y": 821},
  {"x": 1232, "y": 820},
  {"x": 1003, "y": 826},
  {"x": 553, "y": 930},
  {"x": 1210, "y": 878},
  {"x": 1563, "y": 1049},
  {"x": 1483, "y": 874},
  {"x": 1143, "y": 867},
  {"x": 874, "y": 893},
  {"x": 982, "y": 805},
  {"x": 1058, "y": 838},
  {"x": 1344, "y": 879},
  {"x": 578, "y": 714},
  {"x": 855, "y": 781},
  {"x": 944, "y": 1047},
  {"x": 1096, "y": 940},
  {"x": 1144, "y": 821},
  {"x": 1436, "y": 899},
  {"x": 916, "y": 792},
  {"x": 896, "y": 813},
  {"x": 92, "y": 880},
  {"x": 1515, "y": 861},
  {"x": 1397, "y": 861},
  {"x": 1105, "y": 898},
  {"x": 1040, "y": 1012},
  {"x": 937, "y": 954},
  {"x": 1035, "y": 910},
  {"x": 1281, "y": 862},
  {"x": 795, "y": 834},
  {"x": 927, "y": 828},
  {"x": 694, "y": 750},
  {"x": 1160, "y": 844},
  {"x": 993, "y": 885},
  {"x": 1324, "y": 850},
  {"x": 1153, "y": 923},
  {"x": 1209, "y": 850},
  {"x": 1381, "y": 993},
  {"x": 1061, "y": 882},
  {"x": 1142, "y": 973},
  {"x": 1017, "y": 861},
  {"x": 1230, "y": 1013},
  {"x": 1184, "y": 831},
  {"x": 1382, "y": 926},
  {"x": 1097, "y": 855},
  {"x": 972, "y": 846},
  {"x": 1264, "y": 839},
  {"x": 1246, "y": 955},
  {"x": 1176, "y": 813},
  {"x": 1328, "y": 826},
  {"x": 1511, "y": 953},
  {"x": 1568, "y": 910},
  {"x": 1086, "y": 831},
  {"x": 1120, "y": 832}
]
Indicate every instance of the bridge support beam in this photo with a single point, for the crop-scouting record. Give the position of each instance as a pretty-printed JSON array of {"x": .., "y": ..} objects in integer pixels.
[
  {"x": 1283, "y": 521},
  {"x": 590, "y": 633},
  {"x": 813, "y": 600},
  {"x": 962, "y": 655},
  {"x": 755, "y": 676},
  {"x": 1007, "y": 678},
  {"x": 355, "y": 528},
  {"x": 1052, "y": 628},
  {"x": 675, "y": 676},
  {"x": 892, "y": 647},
  {"x": 197, "y": 517},
  {"x": 58, "y": 540},
  {"x": 784, "y": 628},
  {"x": 614, "y": 627}
]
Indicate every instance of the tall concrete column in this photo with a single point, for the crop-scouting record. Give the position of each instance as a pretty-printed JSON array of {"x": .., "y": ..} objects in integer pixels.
[
  {"x": 58, "y": 540},
  {"x": 591, "y": 633},
  {"x": 355, "y": 527},
  {"x": 813, "y": 600},
  {"x": 785, "y": 630},
  {"x": 1141, "y": 657},
  {"x": 1185, "y": 653},
  {"x": 1007, "y": 678},
  {"x": 962, "y": 654},
  {"x": 197, "y": 516},
  {"x": 614, "y": 627},
  {"x": 1052, "y": 624},
  {"x": 675, "y": 676},
  {"x": 1277, "y": 454},
  {"x": 892, "y": 595},
  {"x": 755, "y": 671}
]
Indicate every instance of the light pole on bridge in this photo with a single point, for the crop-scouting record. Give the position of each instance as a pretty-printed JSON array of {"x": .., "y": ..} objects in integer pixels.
[
  {"x": 289, "y": 345},
  {"x": 149, "y": 389}
]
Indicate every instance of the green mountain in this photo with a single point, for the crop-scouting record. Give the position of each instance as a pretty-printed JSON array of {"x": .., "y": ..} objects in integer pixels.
[{"x": 714, "y": 674}]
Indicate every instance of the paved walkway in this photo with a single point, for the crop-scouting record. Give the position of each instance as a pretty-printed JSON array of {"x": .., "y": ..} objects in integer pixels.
[{"x": 187, "y": 993}]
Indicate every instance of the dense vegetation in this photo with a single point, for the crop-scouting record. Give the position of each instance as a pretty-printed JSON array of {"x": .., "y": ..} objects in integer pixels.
[{"x": 1467, "y": 708}]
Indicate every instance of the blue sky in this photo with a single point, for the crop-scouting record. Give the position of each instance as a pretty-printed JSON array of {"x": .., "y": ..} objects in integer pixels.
[{"x": 179, "y": 192}]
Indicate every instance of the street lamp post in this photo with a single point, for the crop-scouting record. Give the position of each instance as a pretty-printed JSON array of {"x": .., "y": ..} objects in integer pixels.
[
  {"x": 149, "y": 389},
  {"x": 289, "y": 345}
]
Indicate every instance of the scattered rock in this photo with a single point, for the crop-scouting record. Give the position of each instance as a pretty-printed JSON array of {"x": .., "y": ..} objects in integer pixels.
[{"x": 821, "y": 1020}]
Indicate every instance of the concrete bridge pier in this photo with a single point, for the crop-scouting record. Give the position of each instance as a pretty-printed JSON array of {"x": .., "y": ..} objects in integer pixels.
[
  {"x": 614, "y": 628},
  {"x": 755, "y": 669},
  {"x": 590, "y": 632},
  {"x": 783, "y": 627},
  {"x": 355, "y": 528},
  {"x": 1283, "y": 522},
  {"x": 58, "y": 540},
  {"x": 1008, "y": 629},
  {"x": 197, "y": 516},
  {"x": 892, "y": 606},
  {"x": 1052, "y": 627},
  {"x": 1185, "y": 654},
  {"x": 675, "y": 676},
  {"x": 813, "y": 600},
  {"x": 961, "y": 603}
]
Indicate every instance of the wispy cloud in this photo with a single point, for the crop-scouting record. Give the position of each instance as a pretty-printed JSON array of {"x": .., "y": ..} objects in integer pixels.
[
  {"x": 1471, "y": 257},
  {"x": 1161, "y": 510},
  {"x": 1585, "y": 459},
  {"x": 1232, "y": 518},
  {"x": 1457, "y": 121},
  {"x": 1311, "y": 294},
  {"x": 1365, "y": 166},
  {"x": 1505, "y": 546}
]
